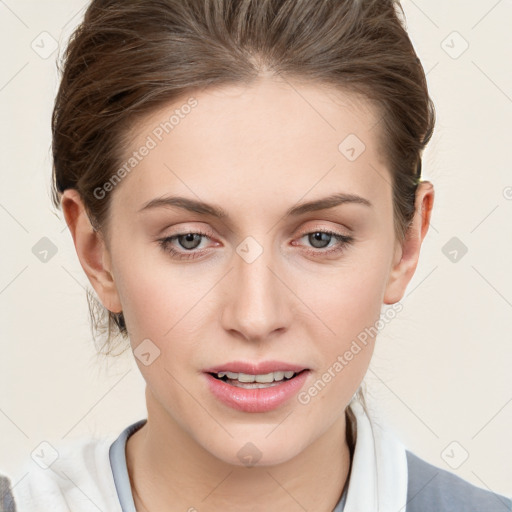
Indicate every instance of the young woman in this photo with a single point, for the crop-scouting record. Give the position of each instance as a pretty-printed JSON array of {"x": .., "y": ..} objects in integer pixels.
[{"x": 242, "y": 182}]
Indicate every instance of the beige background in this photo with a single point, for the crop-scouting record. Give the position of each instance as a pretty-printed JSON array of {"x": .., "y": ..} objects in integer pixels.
[{"x": 441, "y": 372}]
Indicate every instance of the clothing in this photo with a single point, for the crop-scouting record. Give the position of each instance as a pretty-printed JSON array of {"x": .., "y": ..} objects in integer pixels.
[
  {"x": 91, "y": 475},
  {"x": 6, "y": 499}
]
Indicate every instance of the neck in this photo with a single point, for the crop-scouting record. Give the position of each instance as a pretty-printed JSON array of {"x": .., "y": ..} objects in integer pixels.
[{"x": 167, "y": 466}]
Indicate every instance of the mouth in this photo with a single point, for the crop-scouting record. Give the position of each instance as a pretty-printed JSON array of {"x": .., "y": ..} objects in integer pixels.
[
  {"x": 259, "y": 381},
  {"x": 251, "y": 387}
]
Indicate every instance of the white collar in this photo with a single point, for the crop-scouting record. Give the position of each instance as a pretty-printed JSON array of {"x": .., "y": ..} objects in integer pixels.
[{"x": 378, "y": 479}]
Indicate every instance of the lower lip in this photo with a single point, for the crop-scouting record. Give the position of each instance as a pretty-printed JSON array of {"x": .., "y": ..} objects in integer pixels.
[{"x": 259, "y": 399}]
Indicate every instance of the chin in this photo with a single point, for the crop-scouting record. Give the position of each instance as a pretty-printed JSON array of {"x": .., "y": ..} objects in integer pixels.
[{"x": 257, "y": 450}]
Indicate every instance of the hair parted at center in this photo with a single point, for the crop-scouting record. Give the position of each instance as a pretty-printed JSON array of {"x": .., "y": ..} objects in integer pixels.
[{"x": 128, "y": 58}]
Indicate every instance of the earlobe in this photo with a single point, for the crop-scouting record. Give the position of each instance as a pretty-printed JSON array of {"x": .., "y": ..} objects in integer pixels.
[
  {"x": 91, "y": 250},
  {"x": 407, "y": 254}
]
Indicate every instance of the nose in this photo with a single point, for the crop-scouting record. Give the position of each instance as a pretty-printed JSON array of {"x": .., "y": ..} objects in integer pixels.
[{"x": 257, "y": 305}]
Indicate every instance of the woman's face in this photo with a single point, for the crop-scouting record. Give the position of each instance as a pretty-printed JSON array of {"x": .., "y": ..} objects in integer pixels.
[{"x": 255, "y": 290}]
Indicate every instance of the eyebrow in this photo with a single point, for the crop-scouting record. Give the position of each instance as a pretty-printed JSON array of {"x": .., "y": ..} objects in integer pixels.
[{"x": 216, "y": 211}]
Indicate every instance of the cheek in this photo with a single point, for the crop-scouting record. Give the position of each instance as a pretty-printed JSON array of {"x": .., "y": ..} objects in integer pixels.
[
  {"x": 349, "y": 304},
  {"x": 155, "y": 293},
  {"x": 351, "y": 296},
  {"x": 146, "y": 303}
]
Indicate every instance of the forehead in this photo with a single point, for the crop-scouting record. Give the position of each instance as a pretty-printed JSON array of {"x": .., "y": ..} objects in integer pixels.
[{"x": 272, "y": 139}]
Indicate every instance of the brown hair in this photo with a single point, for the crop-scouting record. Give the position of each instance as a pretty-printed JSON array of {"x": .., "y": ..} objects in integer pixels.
[{"x": 128, "y": 58}]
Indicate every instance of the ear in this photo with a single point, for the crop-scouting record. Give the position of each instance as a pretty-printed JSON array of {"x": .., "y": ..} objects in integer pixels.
[
  {"x": 407, "y": 253},
  {"x": 91, "y": 250}
]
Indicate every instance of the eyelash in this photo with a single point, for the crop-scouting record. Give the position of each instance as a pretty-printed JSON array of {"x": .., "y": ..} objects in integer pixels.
[{"x": 165, "y": 243}]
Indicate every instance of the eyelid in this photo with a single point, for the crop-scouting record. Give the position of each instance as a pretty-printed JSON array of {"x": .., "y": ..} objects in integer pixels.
[
  {"x": 328, "y": 229},
  {"x": 171, "y": 231}
]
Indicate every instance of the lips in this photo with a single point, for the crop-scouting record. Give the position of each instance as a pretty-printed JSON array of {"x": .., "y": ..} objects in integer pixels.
[
  {"x": 256, "y": 368},
  {"x": 246, "y": 392}
]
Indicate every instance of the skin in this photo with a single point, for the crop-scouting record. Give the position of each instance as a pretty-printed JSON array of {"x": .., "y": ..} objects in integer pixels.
[{"x": 254, "y": 151}]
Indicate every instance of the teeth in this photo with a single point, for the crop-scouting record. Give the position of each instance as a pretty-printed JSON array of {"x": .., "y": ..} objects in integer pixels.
[{"x": 262, "y": 379}]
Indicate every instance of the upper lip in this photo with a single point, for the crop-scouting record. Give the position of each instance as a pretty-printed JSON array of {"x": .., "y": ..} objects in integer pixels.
[{"x": 261, "y": 368}]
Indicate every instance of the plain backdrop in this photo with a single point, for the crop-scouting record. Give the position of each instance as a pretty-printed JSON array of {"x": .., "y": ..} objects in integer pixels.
[{"x": 441, "y": 370}]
